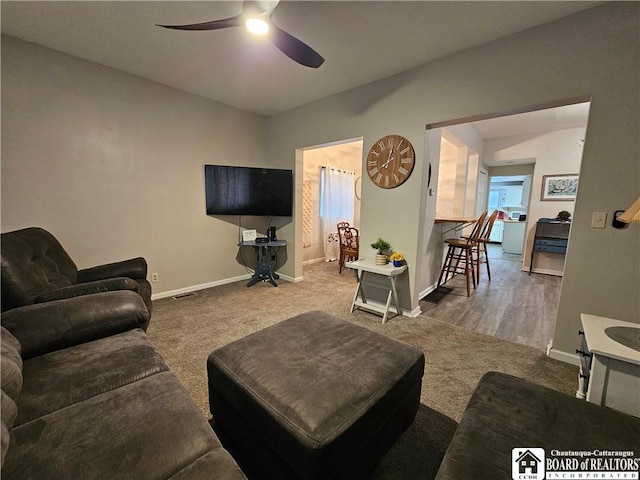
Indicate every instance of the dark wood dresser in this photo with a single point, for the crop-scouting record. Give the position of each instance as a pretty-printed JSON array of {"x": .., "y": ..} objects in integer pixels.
[{"x": 551, "y": 236}]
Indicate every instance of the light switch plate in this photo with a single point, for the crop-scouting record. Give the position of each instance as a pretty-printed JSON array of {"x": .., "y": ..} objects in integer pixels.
[{"x": 599, "y": 219}]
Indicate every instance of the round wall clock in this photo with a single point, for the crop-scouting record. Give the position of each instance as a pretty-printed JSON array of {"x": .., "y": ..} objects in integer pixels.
[{"x": 390, "y": 161}]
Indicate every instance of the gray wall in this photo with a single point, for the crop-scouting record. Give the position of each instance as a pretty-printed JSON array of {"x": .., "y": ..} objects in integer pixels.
[
  {"x": 595, "y": 53},
  {"x": 112, "y": 164}
]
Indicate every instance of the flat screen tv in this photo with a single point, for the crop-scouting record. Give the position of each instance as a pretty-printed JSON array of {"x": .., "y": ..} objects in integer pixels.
[{"x": 248, "y": 191}]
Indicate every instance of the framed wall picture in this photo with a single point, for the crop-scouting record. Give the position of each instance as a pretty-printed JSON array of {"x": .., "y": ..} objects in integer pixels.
[{"x": 559, "y": 187}]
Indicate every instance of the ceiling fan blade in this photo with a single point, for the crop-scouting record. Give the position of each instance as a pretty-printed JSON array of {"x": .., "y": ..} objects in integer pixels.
[
  {"x": 295, "y": 49},
  {"x": 214, "y": 25}
]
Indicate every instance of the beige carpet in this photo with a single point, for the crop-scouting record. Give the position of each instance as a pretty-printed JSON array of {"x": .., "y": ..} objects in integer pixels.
[{"x": 186, "y": 330}]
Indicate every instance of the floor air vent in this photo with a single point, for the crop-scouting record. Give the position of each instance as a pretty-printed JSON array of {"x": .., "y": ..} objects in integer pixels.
[{"x": 183, "y": 295}]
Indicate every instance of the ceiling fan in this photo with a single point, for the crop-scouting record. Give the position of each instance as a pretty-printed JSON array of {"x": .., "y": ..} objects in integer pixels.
[{"x": 256, "y": 16}]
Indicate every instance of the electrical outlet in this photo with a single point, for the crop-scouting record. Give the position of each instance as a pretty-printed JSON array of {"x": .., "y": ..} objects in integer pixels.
[
  {"x": 154, "y": 277},
  {"x": 599, "y": 219}
]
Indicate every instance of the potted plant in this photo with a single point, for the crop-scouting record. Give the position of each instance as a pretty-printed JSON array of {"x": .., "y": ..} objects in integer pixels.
[
  {"x": 563, "y": 216},
  {"x": 397, "y": 258},
  {"x": 382, "y": 246}
]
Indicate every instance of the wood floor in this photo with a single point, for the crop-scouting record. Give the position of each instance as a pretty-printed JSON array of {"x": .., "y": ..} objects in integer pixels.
[{"x": 513, "y": 305}]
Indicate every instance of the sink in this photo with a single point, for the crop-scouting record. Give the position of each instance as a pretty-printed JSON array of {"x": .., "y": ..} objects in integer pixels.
[{"x": 627, "y": 336}]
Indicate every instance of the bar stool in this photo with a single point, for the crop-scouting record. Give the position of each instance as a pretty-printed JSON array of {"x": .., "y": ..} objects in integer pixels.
[
  {"x": 461, "y": 249},
  {"x": 483, "y": 239}
]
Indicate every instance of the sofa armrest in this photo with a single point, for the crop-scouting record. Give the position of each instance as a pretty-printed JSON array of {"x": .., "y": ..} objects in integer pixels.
[
  {"x": 98, "y": 286},
  {"x": 133, "y": 268},
  {"x": 45, "y": 327}
]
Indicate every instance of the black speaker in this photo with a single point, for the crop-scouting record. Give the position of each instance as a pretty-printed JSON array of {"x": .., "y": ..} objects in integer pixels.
[{"x": 272, "y": 234}]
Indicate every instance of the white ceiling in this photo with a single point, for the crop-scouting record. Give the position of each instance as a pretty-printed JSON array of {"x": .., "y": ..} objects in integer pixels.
[
  {"x": 361, "y": 41},
  {"x": 539, "y": 121}
]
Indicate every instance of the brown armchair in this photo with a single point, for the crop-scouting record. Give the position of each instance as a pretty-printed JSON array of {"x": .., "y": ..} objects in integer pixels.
[{"x": 36, "y": 269}]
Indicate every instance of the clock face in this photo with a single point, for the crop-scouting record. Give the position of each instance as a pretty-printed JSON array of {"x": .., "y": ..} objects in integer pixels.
[{"x": 390, "y": 161}]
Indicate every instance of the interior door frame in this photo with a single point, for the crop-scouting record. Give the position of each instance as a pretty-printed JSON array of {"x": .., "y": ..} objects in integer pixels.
[{"x": 483, "y": 207}]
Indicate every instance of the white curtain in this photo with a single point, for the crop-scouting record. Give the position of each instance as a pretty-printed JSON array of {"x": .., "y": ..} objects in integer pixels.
[{"x": 338, "y": 198}]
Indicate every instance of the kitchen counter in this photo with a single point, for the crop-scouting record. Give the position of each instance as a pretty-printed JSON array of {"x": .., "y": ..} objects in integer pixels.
[
  {"x": 455, "y": 220},
  {"x": 458, "y": 223}
]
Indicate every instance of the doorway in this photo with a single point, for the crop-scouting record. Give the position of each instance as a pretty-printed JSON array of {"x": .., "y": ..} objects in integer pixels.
[
  {"x": 481, "y": 196},
  {"x": 536, "y": 143},
  {"x": 345, "y": 156},
  {"x": 509, "y": 193},
  {"x": 457, "y": 176}
]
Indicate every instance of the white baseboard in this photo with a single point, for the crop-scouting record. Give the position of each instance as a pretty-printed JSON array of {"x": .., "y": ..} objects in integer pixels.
[
  {"x": 570, "y": 358},
  {"x": 290, "y": 279},
  {"x": 427, "y": 291},
  {"x": 224, "y": 281},
  {"x": 311, "y": 262},
  {"x": 202, "y": 286},
  {"x": 557, "y": 273}
]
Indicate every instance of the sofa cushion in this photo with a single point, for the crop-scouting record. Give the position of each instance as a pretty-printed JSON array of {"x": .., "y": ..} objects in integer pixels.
[
  {"x": 214, "y": 464},
  {"x": 51, "y": 326},
  {"x": 9, "y": 414},
  {"x": 33, "y": 262},
  {"x": 506, "y": 412},
  {"x": 8, "y": 411},
  {"x": 147, "y": 429},
  {"x": 35, "y": 268},
  {"x": 11, "y": 383},
  {"x": 11, "y": 364},
  {"x": 144, "y": 290},
  {"x": 64, "y": 377}
]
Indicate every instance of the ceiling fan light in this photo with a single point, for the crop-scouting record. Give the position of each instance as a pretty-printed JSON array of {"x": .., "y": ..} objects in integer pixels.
[{"x": 257, "y": 26}]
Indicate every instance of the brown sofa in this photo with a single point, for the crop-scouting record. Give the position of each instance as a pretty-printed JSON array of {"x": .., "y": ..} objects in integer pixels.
[
  {"x": 36, "y": 268},
  {"x": 507, "y": 413},
  {"x": 85, "y": 395}
]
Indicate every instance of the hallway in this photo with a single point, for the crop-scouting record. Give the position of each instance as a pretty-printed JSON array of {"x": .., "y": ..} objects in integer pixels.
[{"x": 513, "y": 306}]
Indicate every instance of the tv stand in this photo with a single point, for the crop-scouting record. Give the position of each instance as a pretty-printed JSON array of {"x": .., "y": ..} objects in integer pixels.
[{"x": 265, "y": 261}]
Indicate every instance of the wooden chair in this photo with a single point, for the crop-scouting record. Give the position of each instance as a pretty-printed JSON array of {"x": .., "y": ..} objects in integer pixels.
[
  {"x": 482, "y": 256},
  {"x": 349, "y": 245},
  {"x": 461, "y": 250},
  {"x": 340, "y": 229}
]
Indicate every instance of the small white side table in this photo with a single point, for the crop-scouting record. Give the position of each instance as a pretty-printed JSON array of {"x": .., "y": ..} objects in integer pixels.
[{"x": 360, "y": 267}]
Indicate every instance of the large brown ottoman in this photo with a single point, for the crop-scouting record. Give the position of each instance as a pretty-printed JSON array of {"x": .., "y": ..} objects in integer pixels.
[{"x": 313, "y": 397}]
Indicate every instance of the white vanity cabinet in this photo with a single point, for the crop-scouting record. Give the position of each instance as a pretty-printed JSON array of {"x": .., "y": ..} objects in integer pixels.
[{"x": 610, "y": 370}]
